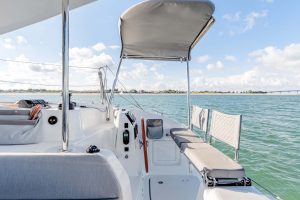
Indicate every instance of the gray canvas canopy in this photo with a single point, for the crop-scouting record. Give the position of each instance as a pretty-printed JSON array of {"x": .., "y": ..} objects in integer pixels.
[
  {"x": 164, "y": 29},
  {"x": 16, "y": 14}
]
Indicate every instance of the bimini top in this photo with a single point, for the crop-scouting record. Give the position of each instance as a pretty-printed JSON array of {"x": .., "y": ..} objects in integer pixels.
[
  {"x": 15, "y": 14},
  {"x": 164, "y": 29}
]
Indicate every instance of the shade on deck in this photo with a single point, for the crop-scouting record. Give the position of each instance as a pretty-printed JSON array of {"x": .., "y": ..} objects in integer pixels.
[
  {"x": 16, "y": 14},
  {"x": 164, "y": 29}
]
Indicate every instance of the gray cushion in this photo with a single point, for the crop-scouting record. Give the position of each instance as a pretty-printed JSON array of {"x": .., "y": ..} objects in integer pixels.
[
  {"x": 179, "y": 140},
  {"x": 181, "y": 132},
  {"x": 16, "y": 128},
  {"x": 209, "y": 159},
  {"x": 57, "y": 176},
  {"x": 183, "y": 135}
]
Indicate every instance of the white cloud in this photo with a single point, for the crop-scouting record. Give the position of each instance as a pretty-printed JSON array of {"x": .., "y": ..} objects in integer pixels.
[
  {"x": 90, "y": 57},
  {"x": 287, "y": 58},
  {"x": 235, "y": 17},
  {"x": 21, "y": 40},
  {"x": 159, "y": 76},
  {"x": 275, "y": 69},
  {"x": 230, "y": 58},
  {"x": 251, "y": 18},
  {"x": 8, "y": 43},
  {"x": 215, "y": 66},
  {"x": 196, "y": 73},
  {"x": 43, "y": 68},
  {"x": 86, "y": 57},
  {"x": 239, "y": 23},
  {"x": 143, "y": 76},
  {"x": 32, "y": 66},
  {"x": 114, "y": 46},
  {"x": 12, "y": 43},
  {"x": 78, "y": 53},
  {"x": 203, "y": 59},
  {"x": 253, "y": 79},
  {"x": 26, "y": 72},
  {"x": 138, "y": 71},
  {"x": 99, "y": 47},
  {"x": 51, "y": 74}
]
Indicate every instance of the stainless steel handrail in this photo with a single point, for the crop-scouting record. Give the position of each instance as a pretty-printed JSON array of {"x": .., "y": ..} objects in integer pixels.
[
  {"x": 65, "y": 75},
  {"x": 188, "y": 92}
]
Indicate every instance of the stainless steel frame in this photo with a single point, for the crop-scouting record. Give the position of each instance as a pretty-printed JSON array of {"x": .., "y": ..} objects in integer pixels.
[
  {"x": 236, "y": 151},
  {"x": 113, "y": 90},
  {"x": 115, "y": 82},
  {"x": 65, "y": 75},
  {"x": 188, "y": 93},
  {"x": 236, "y": 155},
  {"x": 203, "y": 31},
  {"x": 102, "y": 80}
]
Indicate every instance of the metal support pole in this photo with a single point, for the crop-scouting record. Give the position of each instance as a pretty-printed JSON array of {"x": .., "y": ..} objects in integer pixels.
[
  {"x": 102, "y": 89},
  {"x": 188, "y": 92},
  {"x": 115, "y": 82},
  {"x": 65, "y": 75},
  {"x": 236, "y": 154}
]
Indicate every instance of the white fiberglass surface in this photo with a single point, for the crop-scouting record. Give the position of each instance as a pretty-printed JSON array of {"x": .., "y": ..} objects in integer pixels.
[{"x": 171, "y": 187}]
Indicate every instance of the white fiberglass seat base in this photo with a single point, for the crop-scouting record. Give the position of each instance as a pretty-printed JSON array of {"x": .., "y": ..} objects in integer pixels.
[{"x": 175, "y": 187}]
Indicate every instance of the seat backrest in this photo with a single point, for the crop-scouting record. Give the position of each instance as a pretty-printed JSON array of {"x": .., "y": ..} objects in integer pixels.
[
  {"x": 226, "y": 128},
  {"x": 57, "y": 176},
  {"x": 16, "y": 127},
  {"x": 200, "y": 118},
  {"x": 14, "y": 115}
]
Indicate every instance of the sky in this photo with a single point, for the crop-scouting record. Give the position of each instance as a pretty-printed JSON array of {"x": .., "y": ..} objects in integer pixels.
[{"x": 254, "y": 45}]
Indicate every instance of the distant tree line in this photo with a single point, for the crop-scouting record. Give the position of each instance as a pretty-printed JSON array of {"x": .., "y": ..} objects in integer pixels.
[{"x": 132, "y": 91}]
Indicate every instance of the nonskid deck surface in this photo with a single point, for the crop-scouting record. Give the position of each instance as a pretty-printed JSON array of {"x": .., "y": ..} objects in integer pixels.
[{"x": 173, "y": 187}]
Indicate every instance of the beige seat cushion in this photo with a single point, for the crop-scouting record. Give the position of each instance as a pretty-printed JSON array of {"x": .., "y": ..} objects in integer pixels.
[
  {"x": 181, "y": 132},
  {"x": 182, "y": 135},
  {"x": 214, "y": 162}
]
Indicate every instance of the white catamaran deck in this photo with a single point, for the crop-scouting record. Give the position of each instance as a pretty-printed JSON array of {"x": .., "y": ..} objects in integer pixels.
[{"x": 71, "y": 151}]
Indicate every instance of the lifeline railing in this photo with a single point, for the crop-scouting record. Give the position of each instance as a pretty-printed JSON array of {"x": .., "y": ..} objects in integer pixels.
[
  {"x": 103, "y": 84},
  {"x": 102, "y": 75}
]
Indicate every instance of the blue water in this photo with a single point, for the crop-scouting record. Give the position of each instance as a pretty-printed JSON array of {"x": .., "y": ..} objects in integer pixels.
[{"x": 270, "y": 140}]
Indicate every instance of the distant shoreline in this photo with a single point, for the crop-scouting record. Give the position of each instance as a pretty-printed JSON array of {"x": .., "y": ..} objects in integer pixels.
[{"x": 147, "y": 94}]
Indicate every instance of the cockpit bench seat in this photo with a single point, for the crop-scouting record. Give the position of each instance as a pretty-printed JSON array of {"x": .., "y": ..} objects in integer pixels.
[
  {"x": 183, "y": 135},
  {"x": 20, "y": 126},
  {"x": 58, "y": 176},
  {"x": 211, "y": 161}
]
